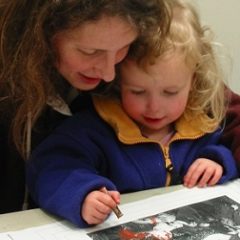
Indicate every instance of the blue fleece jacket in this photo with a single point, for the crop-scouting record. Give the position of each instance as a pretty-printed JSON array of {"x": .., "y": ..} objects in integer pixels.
[{"x": 102, "y": 146}]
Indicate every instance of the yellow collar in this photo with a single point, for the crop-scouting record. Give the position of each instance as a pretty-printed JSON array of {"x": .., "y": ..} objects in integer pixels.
[{"x": 110, "y": 110}]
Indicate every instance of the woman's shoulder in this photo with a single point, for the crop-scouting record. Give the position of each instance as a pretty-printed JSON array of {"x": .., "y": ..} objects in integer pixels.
[{"x": 84, "y": 118}]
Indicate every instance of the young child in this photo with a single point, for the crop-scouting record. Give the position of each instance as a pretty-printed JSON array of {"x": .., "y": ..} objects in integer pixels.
[{"x": 164, "y": 125}]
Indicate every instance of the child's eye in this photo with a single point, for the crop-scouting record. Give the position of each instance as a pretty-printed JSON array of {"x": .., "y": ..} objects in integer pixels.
[
  {"x": 170, "y": 93},
  {"x": 137, "y": 92}
]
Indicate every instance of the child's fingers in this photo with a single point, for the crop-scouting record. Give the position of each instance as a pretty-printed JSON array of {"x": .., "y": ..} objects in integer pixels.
[
  {"x": 95, "y": 207},
  {"x": 115, "y": 195},
  {"x": 190, "y": 173},
  {"x": 205, "y": 178},
  {"x": 203, "y": 172},
  {"x": 192, "y": 180},
  {"x": 212, "y": 174},
  {"x": 96, "y": 216},
  {"x": 217, "y": 175},
  {"x": 111, "y": 198},
  {"x": 193, "y": 175}
]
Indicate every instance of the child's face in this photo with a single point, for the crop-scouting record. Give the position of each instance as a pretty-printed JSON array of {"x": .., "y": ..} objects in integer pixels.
[
  {"x": 158, "y": 97},
  {"x": 87, "y": 55}
]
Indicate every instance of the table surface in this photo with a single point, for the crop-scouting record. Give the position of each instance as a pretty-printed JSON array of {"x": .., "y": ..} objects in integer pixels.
[{"x": 37, "y": 217}]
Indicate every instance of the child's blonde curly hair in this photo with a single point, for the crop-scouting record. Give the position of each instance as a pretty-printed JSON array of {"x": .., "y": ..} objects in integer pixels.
[{"x": 194, "y": 42}]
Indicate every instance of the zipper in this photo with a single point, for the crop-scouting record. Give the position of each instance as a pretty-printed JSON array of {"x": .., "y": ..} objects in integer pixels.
[
  {"x": 168, "y": 164},
  {"x": 168, "y": 161}
]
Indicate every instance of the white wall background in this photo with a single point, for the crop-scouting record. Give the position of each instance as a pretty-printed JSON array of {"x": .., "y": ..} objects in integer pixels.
[{"x": 223, "y": 16}]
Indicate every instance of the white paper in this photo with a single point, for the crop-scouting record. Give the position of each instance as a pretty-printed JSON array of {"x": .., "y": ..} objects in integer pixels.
[{"x": 63, "y": 230}]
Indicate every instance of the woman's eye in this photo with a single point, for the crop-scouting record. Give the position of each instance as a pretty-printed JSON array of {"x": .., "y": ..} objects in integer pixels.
[{"x": 87, "y": 52}]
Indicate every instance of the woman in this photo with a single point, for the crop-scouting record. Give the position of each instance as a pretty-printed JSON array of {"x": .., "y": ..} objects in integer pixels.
[{"x": 51, "y": 50}]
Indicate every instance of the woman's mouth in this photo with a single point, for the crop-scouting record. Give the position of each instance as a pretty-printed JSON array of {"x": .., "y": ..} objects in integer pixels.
[{"x": 90, "y": 80}]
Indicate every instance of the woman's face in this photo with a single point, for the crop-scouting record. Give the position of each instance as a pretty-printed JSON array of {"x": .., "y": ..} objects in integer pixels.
[{"x": 87, "y": 55}]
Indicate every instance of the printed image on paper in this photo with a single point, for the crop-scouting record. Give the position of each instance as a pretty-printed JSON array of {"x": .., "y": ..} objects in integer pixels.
[{"x": 214, "y": 219}]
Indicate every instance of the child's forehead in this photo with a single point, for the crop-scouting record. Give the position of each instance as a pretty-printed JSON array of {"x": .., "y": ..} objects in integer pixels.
[
  {"x": 171, "y": 58},
  {"x": 170, "y": 73},
  {"x": 168, "y": 59}
]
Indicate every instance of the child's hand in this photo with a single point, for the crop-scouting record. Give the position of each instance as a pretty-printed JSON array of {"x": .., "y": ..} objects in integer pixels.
[
  {"x": 98, "y": 205},
  {"x": 203, "y": 172}
]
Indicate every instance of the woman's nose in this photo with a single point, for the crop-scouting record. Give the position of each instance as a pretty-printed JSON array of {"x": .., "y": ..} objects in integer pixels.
[
  {"x": 107, "y": 67},
  {"x": 109, "y": 61}
]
